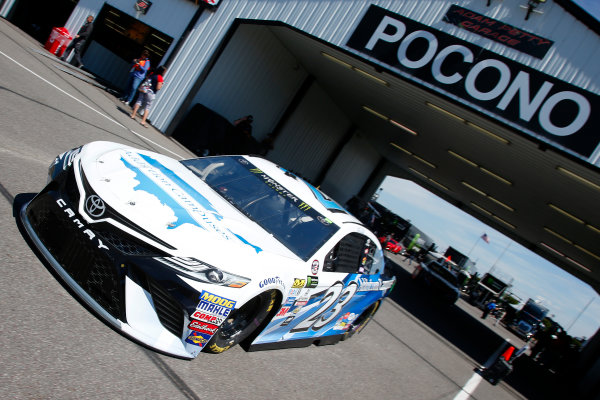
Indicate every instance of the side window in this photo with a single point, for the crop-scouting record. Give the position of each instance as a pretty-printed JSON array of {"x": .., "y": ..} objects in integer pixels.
[{"x": 353, "y": 255}]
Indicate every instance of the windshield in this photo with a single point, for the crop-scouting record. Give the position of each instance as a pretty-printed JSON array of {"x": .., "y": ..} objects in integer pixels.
[{"x": 262, "y": 199}]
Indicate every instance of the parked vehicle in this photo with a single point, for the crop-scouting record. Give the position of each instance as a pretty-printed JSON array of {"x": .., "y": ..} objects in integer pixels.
[{"x": 442, "y": 281}]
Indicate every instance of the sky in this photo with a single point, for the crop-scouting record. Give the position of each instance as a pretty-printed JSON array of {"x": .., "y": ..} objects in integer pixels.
[
  {"x": 573, "y": 303},
  {"x": 591, "y": 6}
]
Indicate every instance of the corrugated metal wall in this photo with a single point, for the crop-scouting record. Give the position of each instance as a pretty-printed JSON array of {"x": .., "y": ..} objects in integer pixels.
[
  {"x": 254, "y": 75},
  {"x": 572, "y": 58},
  {"x": 352, "y": 168},
  {"x": 310, "y": 135}
]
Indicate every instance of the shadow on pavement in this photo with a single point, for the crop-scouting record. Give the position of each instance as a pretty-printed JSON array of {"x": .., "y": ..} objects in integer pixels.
[{"x": 473, "y": 338}]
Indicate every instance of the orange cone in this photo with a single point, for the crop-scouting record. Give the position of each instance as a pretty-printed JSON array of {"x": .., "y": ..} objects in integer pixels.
[{"x": 508, "y": 353}]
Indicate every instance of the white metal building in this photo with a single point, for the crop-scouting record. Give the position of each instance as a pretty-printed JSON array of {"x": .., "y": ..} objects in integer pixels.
[{"x": 492, "y": 105}]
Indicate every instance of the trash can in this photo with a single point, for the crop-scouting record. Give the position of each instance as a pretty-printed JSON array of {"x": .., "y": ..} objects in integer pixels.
[{"x": 58, "y": 41}]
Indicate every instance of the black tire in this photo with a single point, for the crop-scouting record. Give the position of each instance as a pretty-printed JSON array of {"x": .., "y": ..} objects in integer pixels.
[
  {"x": 362, "y": 320},
  {"x": 242, "y": 322}
]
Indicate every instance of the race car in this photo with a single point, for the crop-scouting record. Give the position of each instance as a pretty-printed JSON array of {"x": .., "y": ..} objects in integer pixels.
[
  {"x": 391, "y": 245},
  {"x": 206, "y": 253}
]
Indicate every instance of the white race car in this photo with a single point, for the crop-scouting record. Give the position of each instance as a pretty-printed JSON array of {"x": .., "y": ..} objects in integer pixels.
[{"x": 202, "y": 254}]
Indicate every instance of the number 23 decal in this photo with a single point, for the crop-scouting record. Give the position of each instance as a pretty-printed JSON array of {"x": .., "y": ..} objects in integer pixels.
[{"x": 338, "y": 296}]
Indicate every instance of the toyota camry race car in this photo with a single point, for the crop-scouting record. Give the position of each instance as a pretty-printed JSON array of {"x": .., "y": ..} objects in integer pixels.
[{"x": 202, "y": 254}]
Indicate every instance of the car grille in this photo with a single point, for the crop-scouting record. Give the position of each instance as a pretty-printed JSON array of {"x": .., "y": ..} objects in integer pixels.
[
  {"x": 125, "y": 245},
  {"x": 91, "y": 268},
  {"x": 168, "y": 310}
]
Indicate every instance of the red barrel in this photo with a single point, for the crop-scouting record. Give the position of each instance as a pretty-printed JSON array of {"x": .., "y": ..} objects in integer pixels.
[{"x": 58, "y": 41}]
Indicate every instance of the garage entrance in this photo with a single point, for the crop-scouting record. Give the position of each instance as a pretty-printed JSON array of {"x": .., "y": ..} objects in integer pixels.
[{"x": 37, "y": 18}]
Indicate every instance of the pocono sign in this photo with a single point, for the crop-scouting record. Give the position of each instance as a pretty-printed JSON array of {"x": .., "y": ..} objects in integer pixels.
[{"x": 541, "y": 104}]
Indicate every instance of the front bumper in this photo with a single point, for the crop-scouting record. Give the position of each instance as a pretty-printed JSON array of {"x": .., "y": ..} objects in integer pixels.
[{"x": 111, "y": 274}]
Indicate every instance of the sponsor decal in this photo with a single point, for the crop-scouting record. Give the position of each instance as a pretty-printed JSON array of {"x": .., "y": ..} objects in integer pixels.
[
  {"x": 287, "y": 320},
  {"x": 203, "y": 327},
  {"x": 498, "y": 31},
  {"x": 345, "y": 322},
  {"x": 217, "y": 300},
  {"x": 214, "y": 305},
  {"x": 204, "y": 317},
  {"x": 511, "y": 92},
  {"x": 314, "y": 268},
  {"x": 301, "y": 302},
  {"x": 213, "y": 309},
  {"x": 312, "y": 282},
  {"x": 299, "y": 283},
  {"x": 271, "y": 281},
  {"x": 294, "y": 292},
  {"x": 72, "y": 216},
  {"x": 365, "y": 285},
  {"x": 283, "y": 311},
  {"x": 188, "y": 205},
  {"x": 197, "y": 338}
]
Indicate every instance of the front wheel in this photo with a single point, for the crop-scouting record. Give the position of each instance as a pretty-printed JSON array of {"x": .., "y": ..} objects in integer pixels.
[{"x": 241, "y": 323}]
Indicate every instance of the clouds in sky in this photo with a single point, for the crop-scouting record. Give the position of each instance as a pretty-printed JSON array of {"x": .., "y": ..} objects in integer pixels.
[{"x": 533, "y": 276}]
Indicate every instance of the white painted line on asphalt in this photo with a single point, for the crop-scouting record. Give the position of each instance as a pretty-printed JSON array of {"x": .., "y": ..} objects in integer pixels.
[
  {"x": 469, "y": 387},
  {"x": 90, "y": 107},
  {"x": 473, "y": 382}
]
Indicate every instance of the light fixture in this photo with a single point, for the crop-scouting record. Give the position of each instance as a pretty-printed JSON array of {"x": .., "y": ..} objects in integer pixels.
[
  {"x": 464, "y": 121},
  {"x": 483, "y": 169},
  {"x": 355, "y": 69},
  {"x": 490, "y": 134},
  {"x": 552, "y": 249},
  {"x": 487, "y": 196},
  {"x": 424, "y": 161},
  {"x": 400, "y": 148},
  {"x": 586, "y": 251},
  {"x": 444, "y": 111},
  {"x": 558, "y": 235},
  {"x": 558, "y": 253},
  {"x": 391, "y": 121},
  {"x": 531, "y": 7},
  {"x": 477, "y": 206},
  {"x": 496, "y": 176},
  {"x": 463, "y": 159},
  {"x": 427, "y": 178},
  {"x": 578, "y": 178},
  {"x": 565, "y": 213},
  {"x": 399, "y": 125},
  {"x": 511, "y": 226}
]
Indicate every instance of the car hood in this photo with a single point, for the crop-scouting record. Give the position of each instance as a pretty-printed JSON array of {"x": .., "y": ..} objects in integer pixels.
[{"x": 170, "y": 202}]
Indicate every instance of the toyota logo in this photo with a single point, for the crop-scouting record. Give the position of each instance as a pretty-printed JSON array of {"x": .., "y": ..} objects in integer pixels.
[{"x": 95, "y": 206}]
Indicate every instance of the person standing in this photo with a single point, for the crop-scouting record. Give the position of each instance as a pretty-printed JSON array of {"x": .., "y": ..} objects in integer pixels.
[
  {"x": 147, "y": 93},
  {"x": 77, "y": 43},
  {"x": 136, "y": 76},
  {"x": 489, "y": 307}
]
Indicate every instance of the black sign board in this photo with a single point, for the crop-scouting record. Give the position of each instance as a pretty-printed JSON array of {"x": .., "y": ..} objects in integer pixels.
[
  {"x": 511, "y": 92},
  {"x": 498, "y": 31}
]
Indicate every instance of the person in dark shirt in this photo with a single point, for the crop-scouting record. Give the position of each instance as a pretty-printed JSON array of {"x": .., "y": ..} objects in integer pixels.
[{"x": 76, "y": 44}]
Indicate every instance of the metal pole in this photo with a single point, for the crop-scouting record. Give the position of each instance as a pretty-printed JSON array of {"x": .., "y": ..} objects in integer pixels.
[
  {"x": 500, "y": 256},
  {"x": 580, "y": 313}
]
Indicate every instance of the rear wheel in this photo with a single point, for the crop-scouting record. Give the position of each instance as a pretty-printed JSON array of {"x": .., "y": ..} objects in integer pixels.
[
  {"x": 362, "y": 320},
  {"x": 241, "y": 323}
]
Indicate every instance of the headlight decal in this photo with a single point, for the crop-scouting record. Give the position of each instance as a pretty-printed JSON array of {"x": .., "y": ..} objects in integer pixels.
[{"x": 203, "y": 272}]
